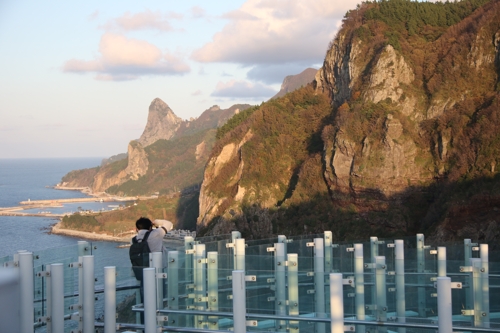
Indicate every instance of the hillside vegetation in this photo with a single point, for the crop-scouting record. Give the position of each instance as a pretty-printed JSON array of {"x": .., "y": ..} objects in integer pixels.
[{"x": 401, "y": 134}]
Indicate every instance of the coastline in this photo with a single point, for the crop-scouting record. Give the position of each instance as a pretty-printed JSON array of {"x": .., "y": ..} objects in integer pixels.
[{"x": 57, "y": 230}]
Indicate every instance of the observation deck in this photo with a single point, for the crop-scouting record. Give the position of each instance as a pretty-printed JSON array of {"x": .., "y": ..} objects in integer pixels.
[{"x": 303, "y": 283}]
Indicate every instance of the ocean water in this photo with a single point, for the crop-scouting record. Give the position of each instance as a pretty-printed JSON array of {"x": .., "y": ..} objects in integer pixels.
[{"x": 23, "y": 179}]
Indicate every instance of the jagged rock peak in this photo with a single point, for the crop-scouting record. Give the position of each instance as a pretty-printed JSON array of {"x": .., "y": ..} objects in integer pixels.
[{"x": 162, "y": 123}]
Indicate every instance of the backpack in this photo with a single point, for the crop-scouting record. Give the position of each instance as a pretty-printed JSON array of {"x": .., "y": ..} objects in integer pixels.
[{"x": 139, "y": 255}]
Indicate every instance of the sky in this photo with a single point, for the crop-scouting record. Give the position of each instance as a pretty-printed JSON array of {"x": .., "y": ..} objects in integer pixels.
[{"x": 77, "y": 77}]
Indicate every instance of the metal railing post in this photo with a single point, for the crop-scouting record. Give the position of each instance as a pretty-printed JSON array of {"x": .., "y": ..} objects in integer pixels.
[
  {"x": 337, "y": 303},
  {"x": 485, "y": 284},
  {"x": 213, "y": 288},
  {"x": 421, "y": 278},
  {"x": 239, "y": 302},
  {"x": 149, "y": 276},
  {"x": 173, "y": 286},
  {"x": 293, "y": 290},
  {"x": 400, "y": 283},
  {"x": 27, "y": 298},
  {"x": 109, "y": 299},
  {"x": 373, "y": 254},
  {"x": 239, "y": 254},
  {"x": 83, "y": 250},
  {"x": 381, "y": 290},
  {"x": 57, "y": 298},
  {"x": 280, "y": 283},
  {"x": 477, "y": 292},
  {"x": 88, "y": 295},
  {"x": 200, "y": 288},
  {"x": 10, "y": 316},
  {"x": 444, "y": 305},
  {"x": 48, "y": 293},
  {"x": 328, "y": 251},
  {"x": 467, "y": 257},
  {"x": 319, "y": 281},
  {"x": 359, "y": 276},
  {"x": 188, "y": 321},
  {"x": 441, "y": 261},
  {"x": 157, "y": 263}
]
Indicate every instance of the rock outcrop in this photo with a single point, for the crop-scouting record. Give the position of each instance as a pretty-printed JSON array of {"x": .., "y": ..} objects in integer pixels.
[
  {"x": 294, "y": 82},
  {"x": 162, "y": 123}
]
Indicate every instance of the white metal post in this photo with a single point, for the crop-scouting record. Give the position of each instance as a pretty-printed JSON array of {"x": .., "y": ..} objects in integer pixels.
[
  {"x": 173, "y": 286},
  {"x": 200, "y": 288},
  {"x": 400, "y": 283},
  {"x": 441, "y": 261},
  {"x": 27, "y": 291},
  {"x": 445, "y": 323},
  {"x": 381, "y": 290},
  {"x": 235, "y": 235},
  {"x": 48, "y": 292},
  {"x": 88, "y": 294},
  {"x": 188, "y": 321},
  {"x": 57, "y": 298},
  {"x": 239, "y": 254},
  {"x": 293, "y": 289},
  {"x": 359, "y": 290},
  {"x": 467, "y": 256},
  {"x": 83, "y": 250},
  {"x": 319, "y": 281},
  {"x": 280, "y": 284},
  {"x": 483, "y": 252},
  {"x": 239, "y": 302},
  {"x": 420, "y": 277},
  {"x": 149, "y": 300},
  {"x": 10, "y": 316},
  {"x": 213, "y": 287},
  {"x": 337, "y": 303},
  {"x": 157, "y": 262},
  {"x": 109, "y": 299},
  {"x": 477, "y": 296},
  {"x": 328, "y": 251},
  {"x": 373, "y": 254}
]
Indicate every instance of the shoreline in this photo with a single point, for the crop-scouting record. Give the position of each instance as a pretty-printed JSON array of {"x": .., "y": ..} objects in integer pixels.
[
  {"x": 92, "y": 236},
  {"x": 57, "y": 230}
]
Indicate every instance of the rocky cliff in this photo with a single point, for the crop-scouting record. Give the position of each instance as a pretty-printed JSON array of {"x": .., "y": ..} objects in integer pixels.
[
  {"x": 162, "y": 123},
  {"x": 410, "y": 131}
]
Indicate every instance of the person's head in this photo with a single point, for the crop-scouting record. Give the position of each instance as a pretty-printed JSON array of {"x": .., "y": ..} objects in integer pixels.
[{"x": 143, "y": 223}]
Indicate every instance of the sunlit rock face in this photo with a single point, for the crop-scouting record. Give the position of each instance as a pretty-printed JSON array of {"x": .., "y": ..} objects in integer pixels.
[{"x": 162, "y": 123}]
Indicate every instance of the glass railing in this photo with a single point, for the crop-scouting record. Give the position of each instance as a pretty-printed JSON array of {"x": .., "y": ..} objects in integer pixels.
[{"x": 287, "y": 284}]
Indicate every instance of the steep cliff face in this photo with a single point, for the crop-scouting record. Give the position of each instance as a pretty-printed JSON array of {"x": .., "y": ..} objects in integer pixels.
[
  {"x": 162, "y": 123},
  {"x": 413, "y": 114},
  {"x": 137, "y": 166}
]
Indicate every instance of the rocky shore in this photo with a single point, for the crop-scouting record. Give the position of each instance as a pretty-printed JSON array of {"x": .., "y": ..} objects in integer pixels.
[{"x": 56, "y": 229}]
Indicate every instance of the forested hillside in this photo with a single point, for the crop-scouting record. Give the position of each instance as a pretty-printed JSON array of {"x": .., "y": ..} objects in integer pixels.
[{"x": 400, "y": 134}]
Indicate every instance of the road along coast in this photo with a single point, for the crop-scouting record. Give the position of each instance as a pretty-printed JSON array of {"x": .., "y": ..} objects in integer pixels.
[{"x": 125, "y": 238}]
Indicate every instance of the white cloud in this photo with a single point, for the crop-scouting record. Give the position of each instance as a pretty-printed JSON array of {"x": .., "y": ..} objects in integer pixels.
[
  {"x": 143, "y": 21},
  {"x": 197, "y": 12},
  {"x": 196, "y": 93},
  {"x": 123, "y": 58},
  {"x": 275, "y": 32},
  {"x": 242, "y": 89}
]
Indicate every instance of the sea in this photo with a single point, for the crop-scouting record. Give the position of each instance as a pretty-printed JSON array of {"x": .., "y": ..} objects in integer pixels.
[{"x": 34, "y": 179}]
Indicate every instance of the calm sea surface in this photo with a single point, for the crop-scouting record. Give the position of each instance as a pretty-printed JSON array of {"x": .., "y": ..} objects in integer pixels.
[{"x": 23, "y": 179}]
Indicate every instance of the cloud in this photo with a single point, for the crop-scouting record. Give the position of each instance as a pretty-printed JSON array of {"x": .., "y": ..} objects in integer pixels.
[
  {"x": 196, "y": 93},
  {"x": 123, "y": 58},
  {"x": 273, "y": 73},
  {"x": 143, "y": 21},
  {"x": 275, "y": 31},
  {"x": 197, "y": 12},
  {"x": 242, "y": 89},
  {"x": 93, "y": 16}
]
